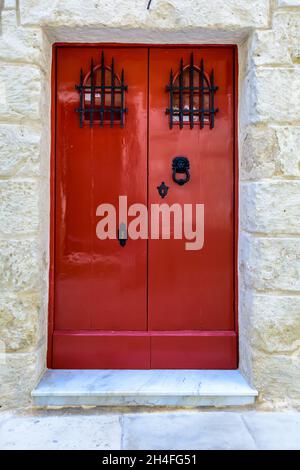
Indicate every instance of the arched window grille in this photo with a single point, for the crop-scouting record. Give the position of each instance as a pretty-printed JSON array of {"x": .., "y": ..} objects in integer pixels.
[
  {"x": 192, "y": 96},
  {"x": 102, "y": 95}
]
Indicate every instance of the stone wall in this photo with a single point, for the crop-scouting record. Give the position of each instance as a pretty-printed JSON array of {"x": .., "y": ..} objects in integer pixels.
[
  {"x": 269, "y": 151},
  {"x": 25, "y": 56},
  {"x": 269, "y": 249}
]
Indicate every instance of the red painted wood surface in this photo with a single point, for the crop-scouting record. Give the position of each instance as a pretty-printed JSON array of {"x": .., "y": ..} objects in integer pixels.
[
  {"x": 193, "y": 289},
  {"x": 99, "y": 285},
  {"x": 101, "y": 350},
  {"x": 194, "y": 350},
  {"x": 148, "y": 305},
  {"x": 128, "y": 349}
]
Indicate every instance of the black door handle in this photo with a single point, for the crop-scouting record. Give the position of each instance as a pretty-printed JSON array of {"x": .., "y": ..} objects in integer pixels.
[{"x": 122, "y": 235}]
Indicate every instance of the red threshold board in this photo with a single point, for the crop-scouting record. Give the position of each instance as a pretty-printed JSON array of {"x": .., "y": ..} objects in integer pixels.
[{"x": 144, "y": 350}]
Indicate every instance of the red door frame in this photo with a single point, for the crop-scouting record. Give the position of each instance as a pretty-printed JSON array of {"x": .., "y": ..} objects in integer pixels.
[{"x": 52, "y": 174}]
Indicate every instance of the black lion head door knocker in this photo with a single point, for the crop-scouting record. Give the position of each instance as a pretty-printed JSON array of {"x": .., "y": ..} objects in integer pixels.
[{"x": 180, "y": 165}]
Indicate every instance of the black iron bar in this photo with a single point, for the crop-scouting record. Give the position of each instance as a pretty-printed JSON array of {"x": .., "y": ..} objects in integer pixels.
[
  {"x": 122, "y": 100},
  {"x": 112, "y": 103},
  {"x": 91, "y": 110},
  {"x": 102, "y": 92},
  {"x": 96, "y": 109},
  {"x": 99, "y": 87},
  {"x": 187, "y": 88},
  {"x": 212, "y": 101},
  {"x": 171, "y": 99},
  {"x": 193, "y": 110},
  {"x": 81, "y": 108},
  {"x": 181, "y": 95},
  {"x": 191, "y": 83},
  {"x": 201, "y": 116}
]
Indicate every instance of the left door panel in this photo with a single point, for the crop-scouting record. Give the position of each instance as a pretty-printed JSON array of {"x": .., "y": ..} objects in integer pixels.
[{"x": 100, "y": 287}]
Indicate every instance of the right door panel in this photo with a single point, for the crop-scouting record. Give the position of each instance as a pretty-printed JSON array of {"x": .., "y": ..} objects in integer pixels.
[{"x": 191, "y": 293}]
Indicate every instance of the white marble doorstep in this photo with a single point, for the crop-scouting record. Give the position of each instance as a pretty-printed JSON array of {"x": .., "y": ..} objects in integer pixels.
[{"x": 143, "y": 388}]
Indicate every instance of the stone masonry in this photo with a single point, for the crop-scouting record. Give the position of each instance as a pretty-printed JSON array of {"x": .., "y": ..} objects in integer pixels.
[{"x": 268, "y": 35}]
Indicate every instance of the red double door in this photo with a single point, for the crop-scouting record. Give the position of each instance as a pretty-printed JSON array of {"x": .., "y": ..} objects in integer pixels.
[{"x": 150, "y": 303}]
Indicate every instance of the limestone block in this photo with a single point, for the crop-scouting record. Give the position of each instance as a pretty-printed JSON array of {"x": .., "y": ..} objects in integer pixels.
[
  {"x": 18, "y": 207},
  {"x": 269, "y": 151},
  {"x": 269, "y": 263},
  {"x": 20, "y": 262},
  {"x": 271, "y": 323},
  {"x": 288, "y": 22},
  {"x": 288, "y": 139},
  {"x": 277, "y": 377},
  {"x": 21, "y": 44},
  {"x": 245, "y": 104},
  {"x": 245, "y": 356},
  {"x": 20, "y": 92},
  {"x": 269, "y": 48},
  {"x": 259, "y": 153},
  {"x": 288, "y": 3},
  {"x": 164, "y": 14},
  {"x": 19, "y": 375},
  {"x": 270, "y": 207},
  {"x": 275, "y": 95},
  {"x": 20, "y": 325},
  {"x": 9, "y": 4},
  {"x": 19, "y": 150}
]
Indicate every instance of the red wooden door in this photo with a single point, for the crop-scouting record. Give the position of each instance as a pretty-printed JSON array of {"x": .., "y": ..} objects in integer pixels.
[
  {"x": 191, "y": 294},
  {"x": 150, "y": 304},
  {"x": 100, "y": 288}
]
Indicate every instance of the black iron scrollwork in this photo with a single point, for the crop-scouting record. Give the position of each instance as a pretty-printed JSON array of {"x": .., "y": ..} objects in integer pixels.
[
  {"x": 101, "y": 95},
  {"x": 181, "y": 165},
  {"x": 192, "y": 96}
]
